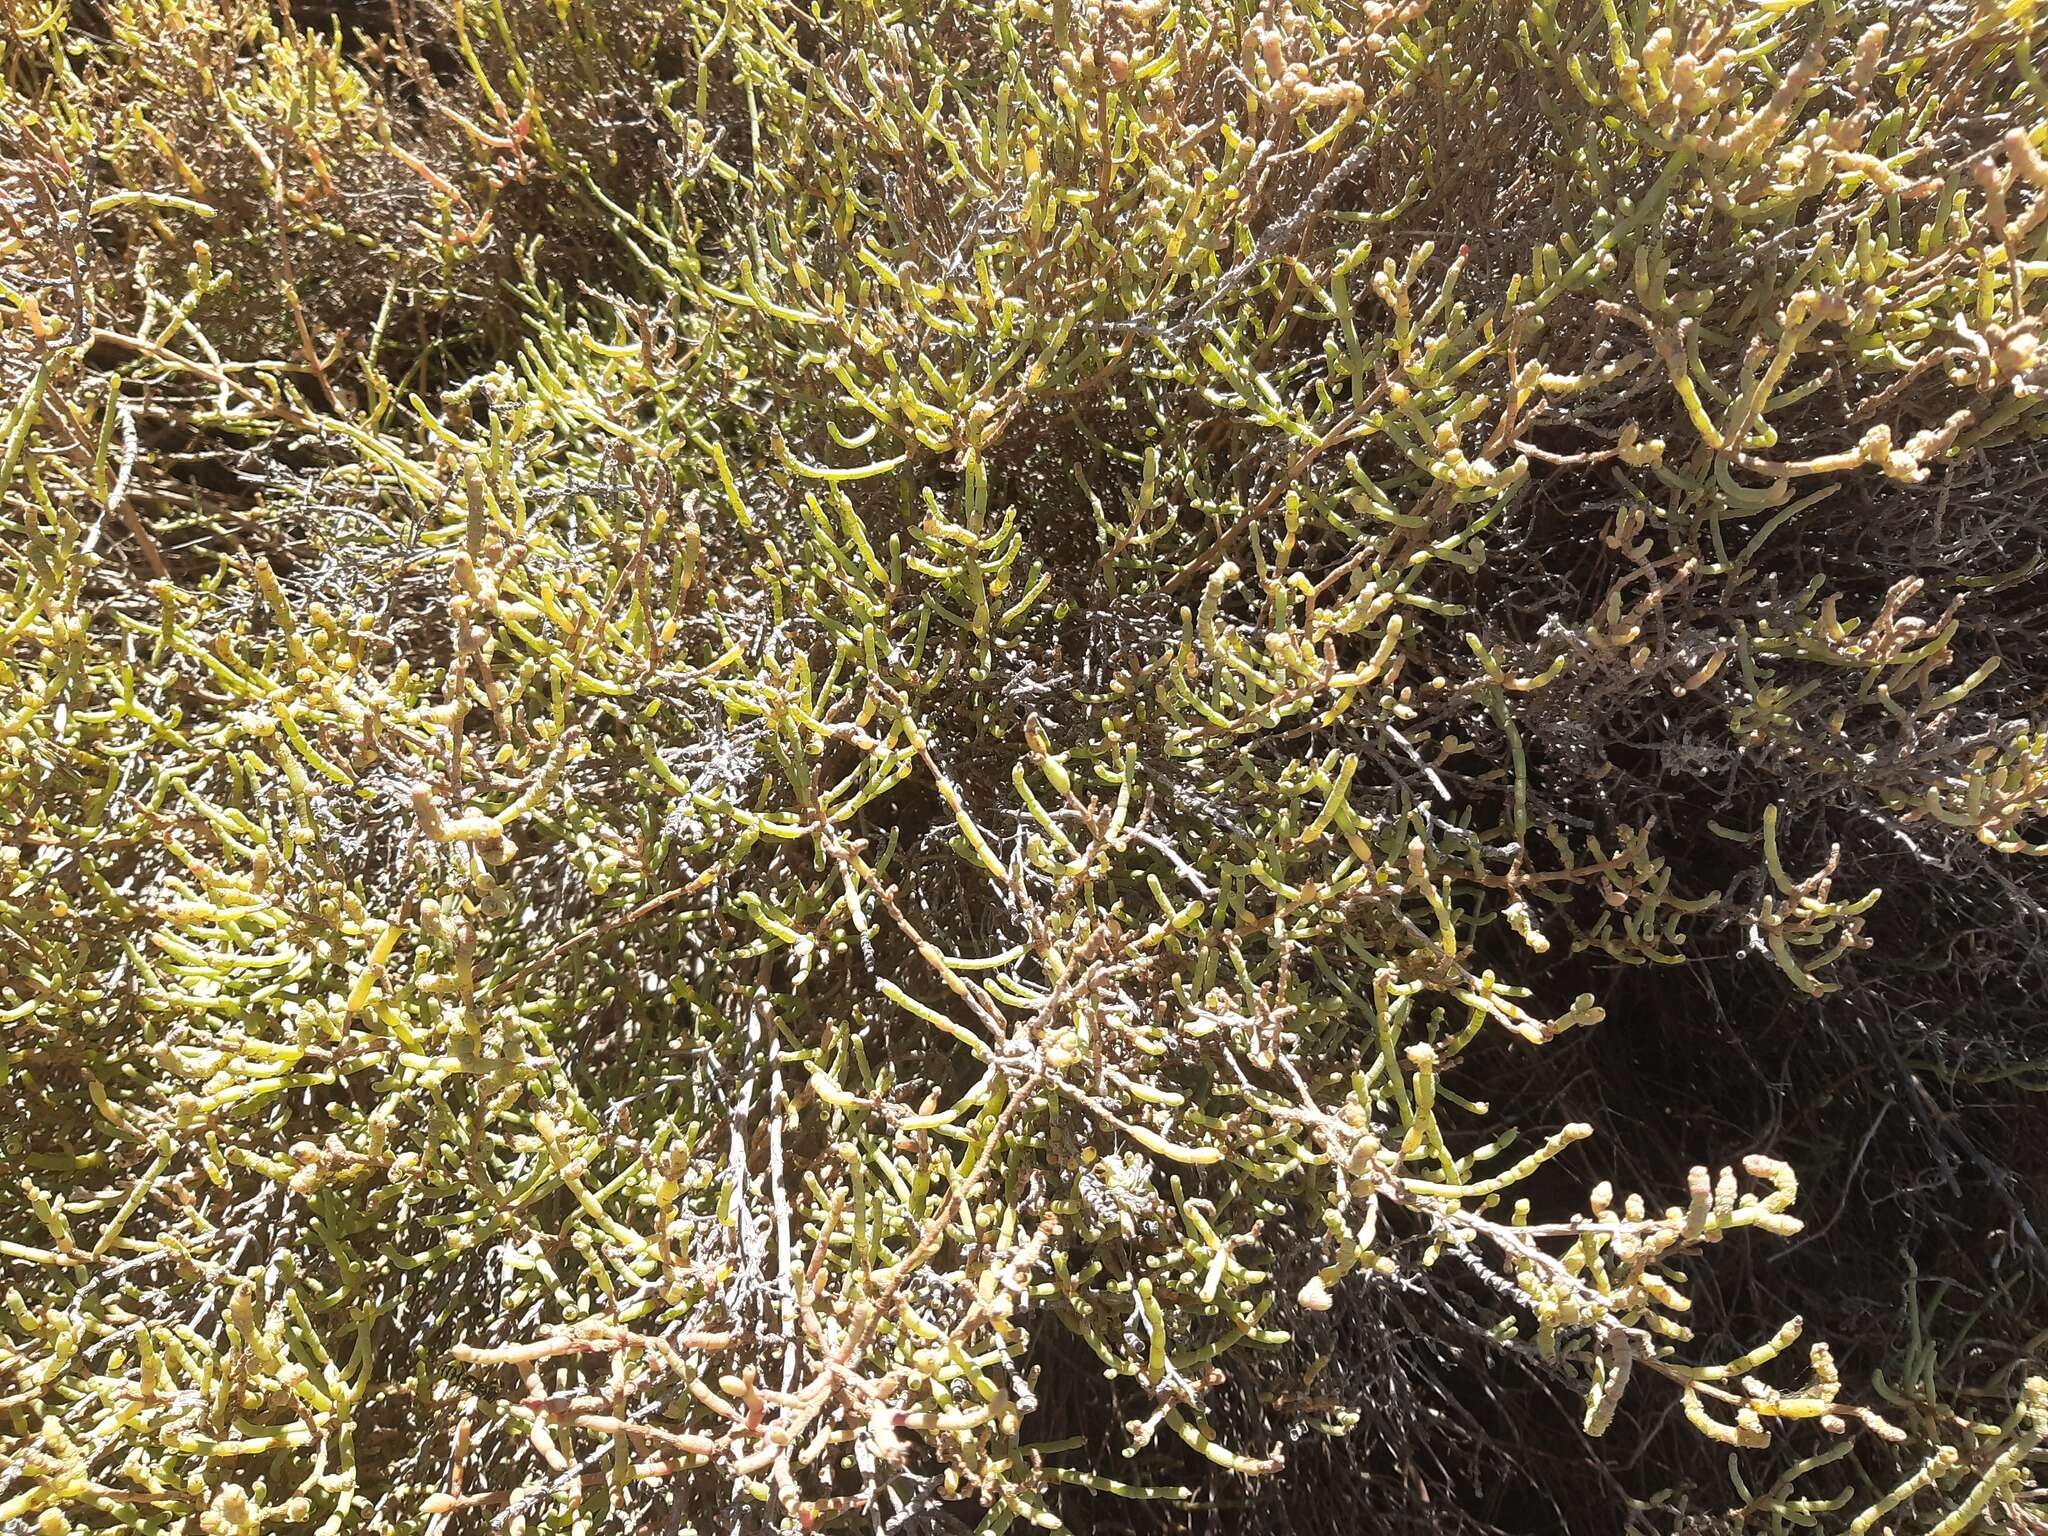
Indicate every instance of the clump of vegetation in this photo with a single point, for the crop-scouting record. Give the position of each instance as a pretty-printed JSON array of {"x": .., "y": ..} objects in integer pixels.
[{"x": 1121, "y": 766}]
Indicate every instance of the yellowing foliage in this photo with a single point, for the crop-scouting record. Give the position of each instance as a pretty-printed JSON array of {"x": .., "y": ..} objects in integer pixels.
[{"x": 742, "y": 742}]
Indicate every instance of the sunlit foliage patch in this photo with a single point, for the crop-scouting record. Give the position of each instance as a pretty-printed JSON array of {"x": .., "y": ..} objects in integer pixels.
[{"x": 802, "y": 768}]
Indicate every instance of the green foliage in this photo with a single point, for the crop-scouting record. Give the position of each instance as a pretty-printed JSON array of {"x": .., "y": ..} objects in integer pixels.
[{"x": 791, "y": 767}]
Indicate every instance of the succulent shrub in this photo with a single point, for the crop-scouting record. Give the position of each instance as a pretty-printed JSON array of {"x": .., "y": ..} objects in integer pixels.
[{"x": 832, "y": 767}]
